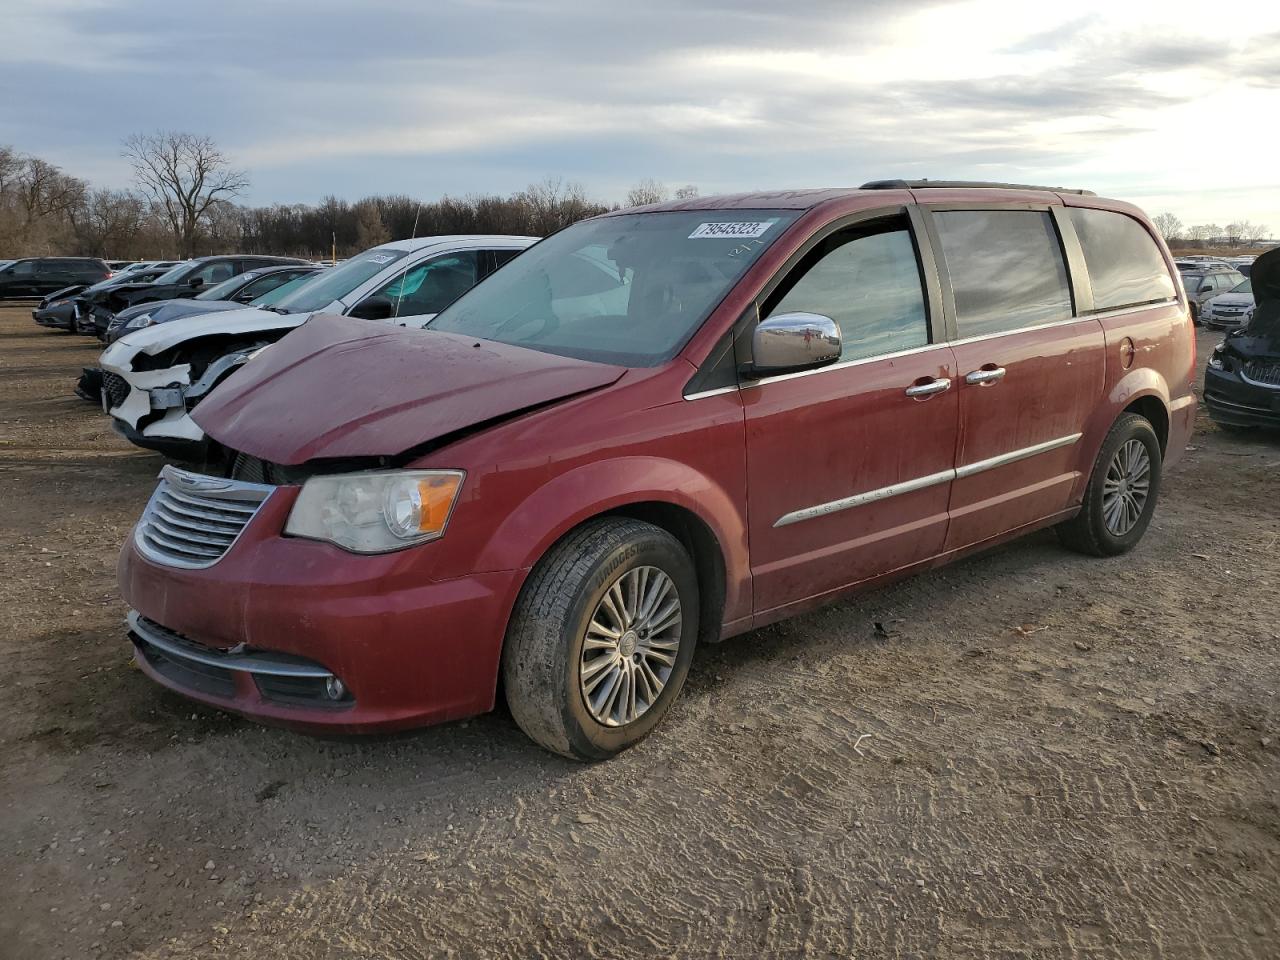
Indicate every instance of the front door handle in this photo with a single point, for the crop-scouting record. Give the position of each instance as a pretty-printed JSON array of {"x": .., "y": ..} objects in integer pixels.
[
  {"x": 986, "y": 375},
  {"x": 929, "y": 388}
]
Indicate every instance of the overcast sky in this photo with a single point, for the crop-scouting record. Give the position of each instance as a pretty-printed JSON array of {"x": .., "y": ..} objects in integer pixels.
[{"x": 1173, "y": 105}]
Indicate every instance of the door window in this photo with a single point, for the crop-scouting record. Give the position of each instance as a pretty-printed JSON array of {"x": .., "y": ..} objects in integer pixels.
[
  {"x": 256, "y": 288},
  {"x": 1125, "y": 265},
  {"x": 1006, "y": 267},
  {"x": 430, "y": 287},
  {"x": 214, "y": 272},
  {"x": 869, "y": 283},
  {"x": 25, "y": 268}
]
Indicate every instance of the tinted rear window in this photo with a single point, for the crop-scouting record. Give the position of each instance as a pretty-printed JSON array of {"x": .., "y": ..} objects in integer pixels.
[
  {"x": 1007, "y": 269},
  {"x": 1126, "y": 267}
]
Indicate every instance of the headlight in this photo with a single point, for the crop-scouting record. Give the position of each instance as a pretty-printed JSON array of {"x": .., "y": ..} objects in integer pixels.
[
  {"x": 375, "y": 512},
  {"x": 1215, "y": 359},
  {"x": 138, "y": 322},
  {"x": 60, "y": 303}
]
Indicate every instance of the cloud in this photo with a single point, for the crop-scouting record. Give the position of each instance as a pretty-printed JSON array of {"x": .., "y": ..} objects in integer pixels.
[{"x": 474, "y": 95}]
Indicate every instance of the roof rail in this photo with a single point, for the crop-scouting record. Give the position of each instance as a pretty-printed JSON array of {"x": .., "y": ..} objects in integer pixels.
[{"x": 979, "y": 184}]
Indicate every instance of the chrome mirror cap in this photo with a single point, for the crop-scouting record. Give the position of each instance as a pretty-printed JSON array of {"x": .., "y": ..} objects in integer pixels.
[{"x": 793, "y": 341}]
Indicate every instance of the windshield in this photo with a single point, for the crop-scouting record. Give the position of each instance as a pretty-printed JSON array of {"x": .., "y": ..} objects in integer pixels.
[
  {"x": 1246, "y": 287},
  {"x": 324, "y": 288},
  {"x": 223, "y": 290},
  {"x": 273, "y": 297},
  {"x": 628, "y": 289},
  {"x": 175, "y": 273}
]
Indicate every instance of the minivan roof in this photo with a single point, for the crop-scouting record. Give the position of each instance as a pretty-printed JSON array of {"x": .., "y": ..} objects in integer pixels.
[{"x": 880, "y": 191}]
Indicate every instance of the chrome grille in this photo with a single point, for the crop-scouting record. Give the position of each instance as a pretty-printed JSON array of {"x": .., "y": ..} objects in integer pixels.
[
  {"x": 193, "y": 519},
  {"x": 115, "y": 387},
  {"x": 1265, "y": 372}
]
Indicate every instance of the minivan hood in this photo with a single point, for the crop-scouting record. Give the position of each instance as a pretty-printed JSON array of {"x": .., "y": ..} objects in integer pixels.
[{"x": 340, "y": 387}]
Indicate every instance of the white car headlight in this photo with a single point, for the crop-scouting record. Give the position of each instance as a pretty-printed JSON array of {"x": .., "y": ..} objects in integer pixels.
[
  {"x": 376, "y": 512},
  {"x": 138, "y": 322}
]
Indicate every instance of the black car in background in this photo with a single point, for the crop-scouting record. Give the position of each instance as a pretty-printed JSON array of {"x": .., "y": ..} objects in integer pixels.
[
  {"x": 1242, "y": 382},
  {"x": 183, "y": 280},
  {"x": 59, "y": 310},
  {"x": 37, "y": 276},
  {"x": 240, "y": 291}
]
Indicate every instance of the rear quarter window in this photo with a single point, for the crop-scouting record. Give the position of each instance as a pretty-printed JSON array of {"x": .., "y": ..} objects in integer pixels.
[{"x": 1125, "y": 266}]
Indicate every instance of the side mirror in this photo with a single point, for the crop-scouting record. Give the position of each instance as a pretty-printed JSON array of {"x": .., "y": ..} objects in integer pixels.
[
  {"x": 376, "y": 307},
  {"x": 790, "y": 342},
  {"x": 196, "y": 281}
]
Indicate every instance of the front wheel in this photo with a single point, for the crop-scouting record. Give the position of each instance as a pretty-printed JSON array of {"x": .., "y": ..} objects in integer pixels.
[
  {"x": 1122, "y": 492},
  {"x": 601, "y": 639}
]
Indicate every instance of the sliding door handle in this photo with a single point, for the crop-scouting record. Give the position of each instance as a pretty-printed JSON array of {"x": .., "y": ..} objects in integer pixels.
[
  {"x": 987, "y": 374},
  {"x": 929, "y": 388}
]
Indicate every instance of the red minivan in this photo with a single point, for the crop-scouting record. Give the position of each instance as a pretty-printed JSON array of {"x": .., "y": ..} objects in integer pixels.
[{"x": 660, "y": 427}]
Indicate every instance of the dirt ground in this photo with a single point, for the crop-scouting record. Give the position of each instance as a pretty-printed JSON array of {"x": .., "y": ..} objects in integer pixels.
[{"x": 1039, "y": 755}]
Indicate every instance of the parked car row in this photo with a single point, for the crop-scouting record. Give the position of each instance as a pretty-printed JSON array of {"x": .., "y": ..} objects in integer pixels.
[{"x": 155, "y": 375}]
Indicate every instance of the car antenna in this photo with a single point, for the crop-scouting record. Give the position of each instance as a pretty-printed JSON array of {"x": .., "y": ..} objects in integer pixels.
[{"x": 415, "y": 221}]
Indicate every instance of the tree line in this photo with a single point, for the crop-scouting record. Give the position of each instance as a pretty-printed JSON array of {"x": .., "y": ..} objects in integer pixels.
[
  {"x": 184, "y": 203},
  {"x": 1241, "y": 233}
]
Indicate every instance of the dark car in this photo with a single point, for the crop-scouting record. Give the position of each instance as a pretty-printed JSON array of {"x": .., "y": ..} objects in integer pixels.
[
  {"x": 183, "y": 280},
  {"x": 1242, "y": 382},
  {"x": 37, "y": 276},
  {"x": 240, "y": 291},
  {"x": 60, "y": 309}
]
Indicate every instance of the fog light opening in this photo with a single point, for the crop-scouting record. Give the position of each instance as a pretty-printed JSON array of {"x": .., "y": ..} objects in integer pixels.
[{"x": 334, "y": 688}]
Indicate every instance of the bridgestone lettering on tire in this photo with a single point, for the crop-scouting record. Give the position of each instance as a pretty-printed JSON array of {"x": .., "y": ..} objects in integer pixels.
[{"x": 601, "y": 638}]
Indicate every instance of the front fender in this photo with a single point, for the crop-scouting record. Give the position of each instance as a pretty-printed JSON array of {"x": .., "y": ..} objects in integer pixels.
[{"x": 556, "y": 507}]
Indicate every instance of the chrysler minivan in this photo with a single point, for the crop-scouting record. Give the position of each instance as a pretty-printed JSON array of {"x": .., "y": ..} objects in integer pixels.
[{"x": 658, "y": 428}]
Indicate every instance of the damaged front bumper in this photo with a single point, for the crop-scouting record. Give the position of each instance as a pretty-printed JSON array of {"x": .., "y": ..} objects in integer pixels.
[
  {"x": 151, "y": 408},
  {"x": 1236, "y": 399}
]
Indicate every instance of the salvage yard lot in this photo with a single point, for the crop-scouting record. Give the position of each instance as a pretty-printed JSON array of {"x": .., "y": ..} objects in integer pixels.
[{"x": 1031, "y": 753}]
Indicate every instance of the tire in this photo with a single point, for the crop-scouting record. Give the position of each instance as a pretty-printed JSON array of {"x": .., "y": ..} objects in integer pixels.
[
  {"x": 543, "y": 658},
  {"x": 1089, "y": 531}
]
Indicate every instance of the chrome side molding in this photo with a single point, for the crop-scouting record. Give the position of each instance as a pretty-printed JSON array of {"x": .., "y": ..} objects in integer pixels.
[{"x": 921, "y": 483}]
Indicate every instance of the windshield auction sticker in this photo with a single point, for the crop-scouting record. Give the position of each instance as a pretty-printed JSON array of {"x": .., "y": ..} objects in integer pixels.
[{"x": 742, "y": 230}]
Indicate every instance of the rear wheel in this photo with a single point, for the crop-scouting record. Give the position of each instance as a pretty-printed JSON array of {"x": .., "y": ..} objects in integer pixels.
[
  {"x": 601, "y": 638},
  {"x": 1122, "y": 492}
]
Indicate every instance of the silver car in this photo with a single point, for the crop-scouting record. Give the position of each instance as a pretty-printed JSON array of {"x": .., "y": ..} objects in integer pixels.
[{"x": 1206, "y": 283}]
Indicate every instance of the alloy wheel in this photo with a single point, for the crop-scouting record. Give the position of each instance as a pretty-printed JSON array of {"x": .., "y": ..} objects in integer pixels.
[
  {"x": 630, "y": 646},
  {"x": 1126, "y": 487}
]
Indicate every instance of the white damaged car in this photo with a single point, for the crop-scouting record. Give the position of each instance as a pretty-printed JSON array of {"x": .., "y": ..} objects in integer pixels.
[{"x": 153, "y": 377}]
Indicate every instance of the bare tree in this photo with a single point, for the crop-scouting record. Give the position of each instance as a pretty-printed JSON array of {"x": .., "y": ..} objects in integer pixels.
[
  {"x": 43, "y": 193},
  {"x": 1169, "y": 225},
  {"x": 184, "y": 175},
  {"x": 646, "y": 191},
  {"x": 370, "y": 230},
  {"x": 687, "y": 192},
  {"x": 1249, "y": 232},
  {"x": 1199, "y": 232},
  {"x": 553, "y": 204}
]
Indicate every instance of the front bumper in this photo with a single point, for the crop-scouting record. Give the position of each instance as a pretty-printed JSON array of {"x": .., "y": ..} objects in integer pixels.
[
  {"x": 1233, "y": 401},
  {"x": 409, "y": 651},
  {"x": 59, "y": 318},
  {"x": 1217, "y": 321}
]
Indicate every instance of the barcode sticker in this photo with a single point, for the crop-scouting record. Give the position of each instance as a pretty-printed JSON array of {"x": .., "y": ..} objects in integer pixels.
[{"x": 737, "y": 230}]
